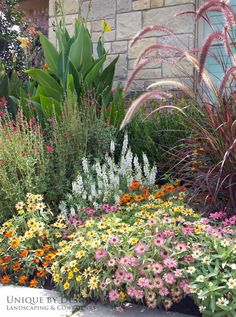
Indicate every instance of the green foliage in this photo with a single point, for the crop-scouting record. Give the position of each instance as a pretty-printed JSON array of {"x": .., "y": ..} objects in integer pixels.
[{"x": 72, "y": 69}]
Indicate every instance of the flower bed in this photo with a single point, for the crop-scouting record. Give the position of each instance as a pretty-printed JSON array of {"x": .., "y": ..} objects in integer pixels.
[{"x": 152, "y": 249}]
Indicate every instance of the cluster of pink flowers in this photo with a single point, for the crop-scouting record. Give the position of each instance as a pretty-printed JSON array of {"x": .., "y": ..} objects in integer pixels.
[
  {"x": 218, "y": 215},
  {"x": 109, "y": 208}
]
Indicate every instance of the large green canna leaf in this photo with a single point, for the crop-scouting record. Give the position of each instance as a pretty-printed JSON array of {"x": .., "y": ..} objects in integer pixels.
[
  {"x": 93, "y": 74},
  {"x": 46, "y": 81},
  {"x": 50, "y": 107},
  {"x": 76, "y": 78},
  {"x": 50, "y": 53},
  {"x": 81, "y": 51}
]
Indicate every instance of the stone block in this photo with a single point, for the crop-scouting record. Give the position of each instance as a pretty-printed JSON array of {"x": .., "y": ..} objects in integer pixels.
[
  {"x": 52, "y": 36},
  {"x": 141, "y": 4},
  {"x": 100, "y": 9},
  {"x": 131, "y": 64},
  {"x": 154, "y": 73},
  {"x": 176, "y": 2},
  {"x": 157, "y": 3},
  {"x": 128, "y": 24},
  {"x": 119, "y": 46},
  {"x": 166, "y": 16},
  {"x": 71, "y": 6},
  {"x": 124, "y": 6},
  {"x": 177, "y": 69},
  {"x": 140, "y": 46}
]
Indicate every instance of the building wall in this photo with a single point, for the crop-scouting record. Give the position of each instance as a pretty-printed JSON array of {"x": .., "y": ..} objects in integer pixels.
[
  {"x": 36, "y": 12},
  {"x": 126, "y": 18}
]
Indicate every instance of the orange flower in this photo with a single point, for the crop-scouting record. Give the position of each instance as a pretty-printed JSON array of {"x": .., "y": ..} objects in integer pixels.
[
  {"x": 22, "y": 279},
  {"x": 36, "y": 261},
  {"x": 1, "y": 261},
  {"x": 24, "y": 253},
  {"x": 5, "y": 279},
  {"x": 124, "y": 199},
  {"x": 33, "y": 283},
  {"x": 8, "y": 234},
  {"x": 45, "y": 264},
  {"x": 7, "y": 258},
  {"x": 159, "y": 194},
  {"x": 39, "y": 252},
  {"x": 181, "y": 188},
  {"x": 4, "y": 267},
  {"x": 47, "y": 247},
  {"x": 135, "y": 185},
  {"x": 41, "y": 273},
  {"x": 50, "y": 256},
  {"x": 168, "y": 188},
  {"x": 138, "y": 198},
  {"x": 14, "y": 243},
  {"x": 16, "y": 267}
]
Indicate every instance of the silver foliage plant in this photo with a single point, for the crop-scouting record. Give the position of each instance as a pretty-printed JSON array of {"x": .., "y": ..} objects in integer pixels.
[{"x": 100, "y": 183}]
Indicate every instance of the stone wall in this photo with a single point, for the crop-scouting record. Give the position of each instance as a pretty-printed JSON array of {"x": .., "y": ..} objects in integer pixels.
[
  {"x": 126, "y": 18},
  {"x": 36, "y": 12}
]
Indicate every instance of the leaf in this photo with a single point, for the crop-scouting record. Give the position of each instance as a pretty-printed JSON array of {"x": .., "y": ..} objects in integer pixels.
[
  {"x": 81, "y": 51},
  {"x": 45, "y": 80},
  {"x": 50, "y": 107},
  {"x": 100, "y": 48},
  {"x": 93, "y": 73},
  {"x": 50, "y": 53},
  {"x": 76, "y": 78}
]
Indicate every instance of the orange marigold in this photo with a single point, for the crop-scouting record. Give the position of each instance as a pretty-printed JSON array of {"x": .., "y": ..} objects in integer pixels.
[
  {"x": 24, "y": 253},
  {"x": 7, "y": 258},
  {"x": 47, "y": 247},
  {"x": 14, "y": 243},
  {"x": 33, "y": 282},
  {"x": 8, "y": 234},
  {"x": 159, "y": 194},
  {"x": 5, "y": 279},
  {"x": 16, "y": 267},
  {"x": 138, "y": 198},
  {"x": 135, "y": 185},
  {"x": 39, "y": 252},
  {"x": 22, "y": 279},
  {"x": 41, "y": 273}
]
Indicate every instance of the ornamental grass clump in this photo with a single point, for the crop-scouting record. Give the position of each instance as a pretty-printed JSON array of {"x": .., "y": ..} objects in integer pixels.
[
  {"x": 214, "y": 177},
  {"x": 104, "y": 181}
]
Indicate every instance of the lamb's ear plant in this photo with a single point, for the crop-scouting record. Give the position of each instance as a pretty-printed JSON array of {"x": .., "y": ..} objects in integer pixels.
[{"x": 216, "y": 132}]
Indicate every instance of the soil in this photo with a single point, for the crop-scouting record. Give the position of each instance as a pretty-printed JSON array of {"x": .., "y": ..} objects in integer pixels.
[{"x": 186, "y": 306}]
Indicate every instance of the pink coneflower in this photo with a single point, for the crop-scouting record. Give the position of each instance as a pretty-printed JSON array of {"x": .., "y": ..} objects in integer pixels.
[
  {"x": 164, "y": 291},
  {"x": 111, "y": 262},
  {"x": 141, "y": 248},
  {"x": 169, "y": 278},
  {"x": 167, "y": 303},
  {"x": 113, "y": 208},
  {"x": 103, "y": 286},
  {"x": 113, "y": 295},
  {"x": 157, "y": 268},
  {"x": 152, "y": 221},
  {"x": 117, "y": 282},
  {"x": 184, "y": 285},
  {"x": 158, "y": 282},
  {"x": 150, "y": 284},
  {"x": 142, "y": 282},
  {"x": 168, "y": 233},
  {"x": 100, "y": 253},
  {"x": 170, "y": 263},
  {"x": 90, "y": 211},
  {"x": 189, "y": 259},
  {"x": 181, "y": 247},
  {"x": 129, "y": 277},
  {"x": 125, "y": 260},
  {"x": 134, "y": 262},
  {"x": 120, "y": 273},
  {"x": 159, "y": 241},
  {"x": 131, "y": 291},
  {"x": 178, "y": 273},
  {"x": 114, "y": 239},
  {"x": 139, "y": 294},
  {"x": 188, "y": 231},
  {"x": 105, "y": 207}
]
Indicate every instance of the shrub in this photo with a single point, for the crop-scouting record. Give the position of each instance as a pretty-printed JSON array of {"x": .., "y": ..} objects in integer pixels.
[
  {"x": 215, "y": 134},
  {"x": 104, "y": 181},
  {"x": 27, "y": 245},
  {"x": 24, "y": 159}
]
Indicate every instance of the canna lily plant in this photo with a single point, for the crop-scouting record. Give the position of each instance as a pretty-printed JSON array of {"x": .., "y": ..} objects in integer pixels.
[
  {"x": 215, "y": 135},
  {"x": 71, "y": 69}
]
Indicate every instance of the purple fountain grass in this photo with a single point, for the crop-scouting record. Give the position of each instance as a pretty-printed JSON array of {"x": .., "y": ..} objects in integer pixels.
[
  {"x": 225, "y": 79},
  {"x": 154, "y": 47},
  {"x": 139, "y": 67},
  {"x": 136, "y": 105},
  {"x": 215, "y": 5},
  {"x": 173, "y": 83},
  {"x": 205, "y": 49},
  {"x": 148, "y": 29}
]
